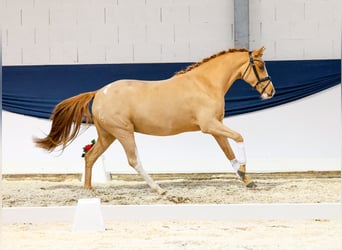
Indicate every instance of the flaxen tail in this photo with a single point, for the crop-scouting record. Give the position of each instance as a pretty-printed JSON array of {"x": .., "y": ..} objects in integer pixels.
[{"x": 67, "y": 118}]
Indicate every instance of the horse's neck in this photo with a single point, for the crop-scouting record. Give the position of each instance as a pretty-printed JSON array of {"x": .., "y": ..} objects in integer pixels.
[{"x": 221, "y": 72}]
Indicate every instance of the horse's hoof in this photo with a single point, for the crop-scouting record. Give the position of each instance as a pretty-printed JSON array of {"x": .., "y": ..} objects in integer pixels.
[
  {"x": 241, "y": 174},
  {"x": 178, "y": 199},
  {"x": 251, "y": 185},
  {"x": 88, "y": 187},
  {"x": 159, "y": 191},
  {"x": 162, "y": 192}
]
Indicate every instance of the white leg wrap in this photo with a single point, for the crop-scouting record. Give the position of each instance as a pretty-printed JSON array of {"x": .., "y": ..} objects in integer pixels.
[
  {"x": 241, "y": 152},
  {"x": 235, "y": 164},
  {"x": 146, "y": 176}
]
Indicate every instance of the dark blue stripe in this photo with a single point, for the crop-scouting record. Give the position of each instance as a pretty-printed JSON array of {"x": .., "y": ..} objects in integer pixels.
[{"x": 35, "y": 90}]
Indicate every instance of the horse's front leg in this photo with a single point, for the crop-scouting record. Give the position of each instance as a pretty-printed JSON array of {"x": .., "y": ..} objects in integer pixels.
[{"x": 221, "y": 133}]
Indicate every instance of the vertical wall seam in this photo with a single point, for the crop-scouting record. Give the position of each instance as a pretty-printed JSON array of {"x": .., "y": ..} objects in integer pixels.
[
  {"x": 77, "y": 56},
  {"x": 49, "y": 17},
  {"x": 241, "y": 23},
  {"x": 189, "y": 14},
  {"x": 304, "y": 11},
  {"x": 34, "y": 35},
  {"x": 22, "y": 55},
  {"x": 118, "y": 33},
  {"x": 6, "y": 37},
  {"x": 174, "y": 33},
  {"x": 232, "y": 31},
  {"x": 21, "y": 17}
]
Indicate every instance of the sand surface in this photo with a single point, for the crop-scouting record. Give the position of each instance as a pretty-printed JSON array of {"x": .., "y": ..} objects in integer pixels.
[
  {"x": 191, "y": 188},
  {"x": 235, "y": 235},
  {"x": 195, "y": 188}
]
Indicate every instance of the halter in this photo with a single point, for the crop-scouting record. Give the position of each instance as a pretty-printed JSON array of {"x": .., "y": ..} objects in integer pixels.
[{"x": 267, "y": 78}]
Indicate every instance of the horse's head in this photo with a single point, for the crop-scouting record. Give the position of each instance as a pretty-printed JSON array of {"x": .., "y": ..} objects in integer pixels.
[{"x": 256, "y": 74}]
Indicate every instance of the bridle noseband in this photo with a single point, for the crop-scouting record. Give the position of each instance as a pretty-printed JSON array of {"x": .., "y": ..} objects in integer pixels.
[{"x": 267, "y": 78}]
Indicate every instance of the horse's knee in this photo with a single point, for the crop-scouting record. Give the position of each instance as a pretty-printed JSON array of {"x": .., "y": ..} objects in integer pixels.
[
  {"x": 237, "y": 137},
  {"x": 218, "y": 129}
]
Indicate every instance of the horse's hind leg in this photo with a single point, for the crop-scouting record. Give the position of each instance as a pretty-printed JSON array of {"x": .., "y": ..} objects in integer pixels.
[
  {"x": 128, "y": 143},
  {"x": 238, "y": 166},
  {"x": 102, "y": 143}
]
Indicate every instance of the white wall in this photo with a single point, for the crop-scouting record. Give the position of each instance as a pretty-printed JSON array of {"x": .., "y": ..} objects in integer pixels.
[
  {"x": 296, "y": 29},
  {"x": 114, "y": 31},
  {"x": 126, "y": 31},
  {"x": 299, "y": 136},
  {"x": 304, "y": 135}
]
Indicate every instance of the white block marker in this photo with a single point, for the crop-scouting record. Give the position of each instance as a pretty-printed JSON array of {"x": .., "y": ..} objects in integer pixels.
[{"x": 88, "y": 216}]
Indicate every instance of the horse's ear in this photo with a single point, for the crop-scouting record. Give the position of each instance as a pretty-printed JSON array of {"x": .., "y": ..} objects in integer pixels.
[{"x": 259, "y": 52}]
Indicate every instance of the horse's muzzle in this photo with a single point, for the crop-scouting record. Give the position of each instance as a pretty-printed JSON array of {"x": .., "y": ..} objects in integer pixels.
[{"x": 268, "y": 92}]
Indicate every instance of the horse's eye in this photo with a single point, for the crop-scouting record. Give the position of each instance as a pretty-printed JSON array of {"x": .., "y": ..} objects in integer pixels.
[{"x": 262, "y": 67}]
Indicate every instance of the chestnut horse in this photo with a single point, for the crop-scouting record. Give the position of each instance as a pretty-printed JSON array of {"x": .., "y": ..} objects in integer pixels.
[{"x": 191, "y": 100}]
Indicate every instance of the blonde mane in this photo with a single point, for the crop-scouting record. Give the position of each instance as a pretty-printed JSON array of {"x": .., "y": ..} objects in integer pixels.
[{"x": 195, "y": 65}]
